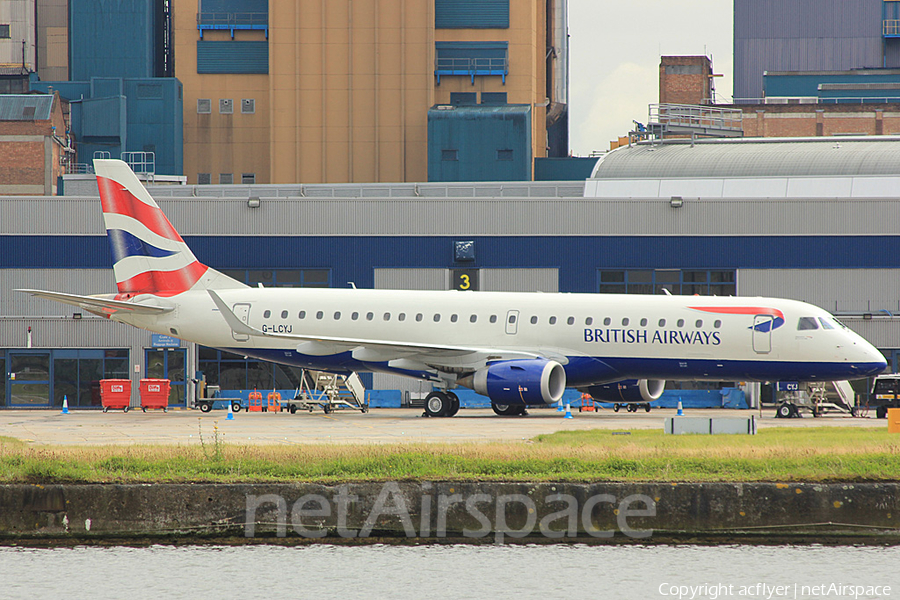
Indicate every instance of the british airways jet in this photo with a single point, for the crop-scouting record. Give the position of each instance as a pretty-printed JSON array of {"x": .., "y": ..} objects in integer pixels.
[{"x": 519, "y": 349}]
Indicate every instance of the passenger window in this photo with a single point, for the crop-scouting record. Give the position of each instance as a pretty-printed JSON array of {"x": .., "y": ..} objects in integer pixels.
[
  {"x": 493, "y": 319},
  {"x": 284, "y": 314},
  {"x": 302, "y": 314},
  {"x": 625, "y": 321},
  {"x": 680, "y": 323},
  {"x": 698, "y": 324},
  {"x": 643, "y": 322},
  {"x": 370, "y": 316},
  {"x": 825, "y": 323},
  {"x": 717, "y": 324},
  {"x": 589, "y": 321},
  {"x": 387, "y": 316},
  {"x": 437, "y": 317},
  {"x": 337, "y": 315},
  {"x": 607, "y": 321},
  {"x": 401, "y": 317},
  {"x": 807, "y": 323},
  {"x": 267, "y": 314},
  {"x": 419, "y": 317},
  {"x": 454, "y": 318},
  {"x": 512, "y": 319},
  {"x": 354, "y": 316},
  {"x": 553, "y": 320},
  {"x": 473, "y": 318},
  {"x": 662, "y": 322},
  {"x": 570, "y": 321},
  {"x": 320, "y": 314},
  {"x": 534, "y": 320}
]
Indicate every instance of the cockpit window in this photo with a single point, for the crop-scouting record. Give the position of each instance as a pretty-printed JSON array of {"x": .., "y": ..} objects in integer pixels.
[
  {"x": 807, "y": 323},
  {"x": 825, "y": 323}
]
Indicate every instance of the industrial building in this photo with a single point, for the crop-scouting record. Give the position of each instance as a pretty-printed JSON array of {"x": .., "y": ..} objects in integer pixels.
[{"x": 806, "y": 219}]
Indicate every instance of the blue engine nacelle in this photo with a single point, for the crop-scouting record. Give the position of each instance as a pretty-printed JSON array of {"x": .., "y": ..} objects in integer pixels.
[
  {"x": 531, "y": 381},
  {"x": 633, "y": 390}
]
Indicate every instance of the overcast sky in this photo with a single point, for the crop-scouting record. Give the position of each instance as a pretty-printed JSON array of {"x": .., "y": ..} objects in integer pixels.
[{"x": 614, "y": 59}]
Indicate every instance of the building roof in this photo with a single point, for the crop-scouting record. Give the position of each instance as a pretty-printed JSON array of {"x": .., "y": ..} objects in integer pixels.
[
  {"x": 25, "y": 107},
  {"x": 753, "y": 157}
]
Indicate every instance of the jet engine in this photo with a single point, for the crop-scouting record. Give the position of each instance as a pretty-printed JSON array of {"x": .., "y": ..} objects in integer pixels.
[
  {"x": 527, "y": 381},
  {"x": 633, "y": 390}
]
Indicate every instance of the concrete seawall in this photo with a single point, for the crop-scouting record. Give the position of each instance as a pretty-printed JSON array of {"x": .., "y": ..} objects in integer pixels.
[{"x": 493, "y": 512}]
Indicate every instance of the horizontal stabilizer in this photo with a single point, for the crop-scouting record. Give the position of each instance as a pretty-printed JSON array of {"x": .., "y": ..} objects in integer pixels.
[{"x": 100, "y": 305}]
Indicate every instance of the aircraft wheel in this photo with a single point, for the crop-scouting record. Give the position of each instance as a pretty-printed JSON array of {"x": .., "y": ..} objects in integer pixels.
[
  {"x": 507, "y": 410},
  {"x": 616, "y": 407},
  {"x": 647, "y": 407},
  {"x": 785, "y": 411},
  {"x": 632, "y": 408},
  {"x": 437, "y": 404},
  {"x": 454, "y": 404}
]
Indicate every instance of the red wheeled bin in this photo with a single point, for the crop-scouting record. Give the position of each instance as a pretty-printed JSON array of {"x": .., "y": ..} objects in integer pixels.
[
  {"x": 155, "y": 394},
  {"x": 115, "y": 393}
]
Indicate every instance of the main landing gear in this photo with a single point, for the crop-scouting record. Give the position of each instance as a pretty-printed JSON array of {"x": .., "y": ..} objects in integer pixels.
[
  {"x": 630, "y": 407},
  {"x": 509, "y": 410},
  {"x": 441, "y": 404}
]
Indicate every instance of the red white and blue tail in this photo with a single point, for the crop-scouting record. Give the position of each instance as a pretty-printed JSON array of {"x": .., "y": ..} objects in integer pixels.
[{"x": 149, "y": 257}]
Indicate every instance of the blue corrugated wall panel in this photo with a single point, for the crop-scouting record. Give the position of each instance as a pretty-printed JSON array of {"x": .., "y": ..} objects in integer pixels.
[
  {"x": 104, "y": 118},
  {"x": 805, "y": 35},
  {"x": 245, "y": 58},
  {"x": 155, "y": 121},
  {"x": 471, "y": 14},
  {"x": 563, "y": 169},
  {"x": 111, "y": 39},
  {"x": 478, "y": 136},
  {"x": 234, "y": 6},
  {"x": 354, "y": 262}
]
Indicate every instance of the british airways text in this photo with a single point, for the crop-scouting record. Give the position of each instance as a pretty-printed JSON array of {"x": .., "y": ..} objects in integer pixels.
[{"x": 659, "y": 336}]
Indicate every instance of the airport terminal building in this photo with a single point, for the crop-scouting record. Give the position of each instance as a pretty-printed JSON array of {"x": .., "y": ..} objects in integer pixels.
[{"x": 810, "y": 219}]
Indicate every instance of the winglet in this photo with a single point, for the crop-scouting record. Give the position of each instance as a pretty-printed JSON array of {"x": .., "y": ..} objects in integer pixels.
[{"x": 236, "y": 324}]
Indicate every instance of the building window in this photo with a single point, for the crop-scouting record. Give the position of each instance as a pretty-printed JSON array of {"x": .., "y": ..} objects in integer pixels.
[
  {"x": 463, "y": 98},
  {"x": 204, "y": 106},
  {"x": 204, "y": 178},
  {"x": 4, "y": 32},
  {"x": 248, "y": 106},
  {"x": 235, "y": 372},
  {"x": 493, "y": 98},
  {"x": 674, "y": 281},
  {"x": 226, "y": 178},
  {"x": 504, "y": 154},
  {"x": 449, "y": 154},
  {"x": 226, "y": 106},
  {"x": 248, "y": 178}
]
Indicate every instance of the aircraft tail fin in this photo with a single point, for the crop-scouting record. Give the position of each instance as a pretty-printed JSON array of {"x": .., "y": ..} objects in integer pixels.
[{"x": 149, "y": 256}]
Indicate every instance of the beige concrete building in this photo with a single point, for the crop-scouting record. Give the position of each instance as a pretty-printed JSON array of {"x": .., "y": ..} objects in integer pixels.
[{"x": 338, "y": 91}]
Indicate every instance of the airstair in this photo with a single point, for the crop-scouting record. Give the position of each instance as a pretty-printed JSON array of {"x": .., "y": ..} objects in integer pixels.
[
  {"x": 328, "y": 391},
  {"x": 818, "y": 398}
]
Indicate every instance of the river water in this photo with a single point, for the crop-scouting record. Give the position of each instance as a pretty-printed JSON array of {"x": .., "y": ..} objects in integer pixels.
[{"x": 629, "y": 572}]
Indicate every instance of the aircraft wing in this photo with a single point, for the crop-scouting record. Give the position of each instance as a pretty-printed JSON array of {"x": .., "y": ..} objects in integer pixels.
[
  {"x": 99, "y": 305},
  {"x": 372, "y": 350}
]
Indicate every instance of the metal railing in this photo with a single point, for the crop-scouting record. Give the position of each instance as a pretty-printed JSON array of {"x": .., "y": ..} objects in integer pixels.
[
  {"x": 799, "y": 100},
  {"x": 141, "y": 162},
  {"x": 471, "y": 67},
  {"x": 891, "y": 28},
  {"x": 696, "y": 116},
  {"x": 224, "y": 20}
]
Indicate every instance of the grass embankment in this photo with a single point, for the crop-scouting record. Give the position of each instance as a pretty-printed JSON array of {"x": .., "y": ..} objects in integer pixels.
[{"x": 813, "y": 455}]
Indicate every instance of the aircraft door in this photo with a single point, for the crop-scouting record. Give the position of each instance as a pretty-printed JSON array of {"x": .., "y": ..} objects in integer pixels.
[
  {"x": 762, "y": 333},
  {"x": 242, "y": 312},
  {"x": 512, "y": 322}
]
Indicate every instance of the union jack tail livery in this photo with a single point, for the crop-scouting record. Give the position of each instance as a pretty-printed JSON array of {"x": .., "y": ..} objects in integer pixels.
[{"x": 149, "y": 257}]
